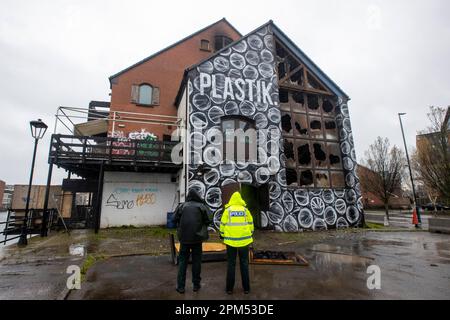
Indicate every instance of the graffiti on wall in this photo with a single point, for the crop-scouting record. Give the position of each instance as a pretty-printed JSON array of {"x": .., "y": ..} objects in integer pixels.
[
  {"x": 125, "y": 141},
  {"x": 242, "y": 81},
  {"x": 123, "y": 198}
]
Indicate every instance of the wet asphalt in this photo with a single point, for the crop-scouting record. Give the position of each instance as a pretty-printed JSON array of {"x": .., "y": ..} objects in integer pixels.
[{"x": 413, "y": 265}]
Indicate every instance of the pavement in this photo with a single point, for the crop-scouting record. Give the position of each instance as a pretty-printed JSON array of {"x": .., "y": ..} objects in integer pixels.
[
  {"x": 414, "y": 265},
  {"x": 396, "y": 219},
  {"x": 135, "y": 264}
]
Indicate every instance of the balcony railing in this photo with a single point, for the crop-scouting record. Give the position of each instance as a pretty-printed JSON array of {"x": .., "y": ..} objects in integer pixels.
[{"x": 91, "y": 150}]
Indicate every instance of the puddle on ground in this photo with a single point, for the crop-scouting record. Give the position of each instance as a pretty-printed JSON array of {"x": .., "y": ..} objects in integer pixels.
[
  {"x": 376, "y": 242},
  {"x": 77, "y": 250},
  {"x": 328, "y": 258}
]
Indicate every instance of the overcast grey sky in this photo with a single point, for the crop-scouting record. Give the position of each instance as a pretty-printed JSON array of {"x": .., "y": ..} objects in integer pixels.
[{"x": 388, "y": 56}]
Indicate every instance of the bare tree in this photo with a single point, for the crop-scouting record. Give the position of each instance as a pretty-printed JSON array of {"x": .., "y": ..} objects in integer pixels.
[
  {"x": 386, "y": 166},
  {"x": 432, "y": 157}
]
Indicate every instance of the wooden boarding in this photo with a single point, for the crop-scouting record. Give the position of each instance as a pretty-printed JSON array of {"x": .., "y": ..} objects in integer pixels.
[
  {"x": 207, "y": 247},
  {"x": 212, "y": 251}
]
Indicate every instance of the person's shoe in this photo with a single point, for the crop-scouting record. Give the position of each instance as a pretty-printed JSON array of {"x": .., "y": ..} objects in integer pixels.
[
  {"x": 229, "y": 291},
  {"x": 180, "y": 290},
  {"x": 246, "y": 291},
  {"x": 196, "y": 288}
]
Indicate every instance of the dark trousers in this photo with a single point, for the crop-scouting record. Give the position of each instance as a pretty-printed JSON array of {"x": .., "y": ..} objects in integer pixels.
[
  {"x": 183, "y": 259},
  {"x": 232, "y": 252}
]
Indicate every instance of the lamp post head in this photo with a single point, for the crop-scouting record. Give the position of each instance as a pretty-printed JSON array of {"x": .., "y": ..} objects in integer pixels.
[
  {"x": 402, "y": 113},
  {"x": 38, "y": 128}
]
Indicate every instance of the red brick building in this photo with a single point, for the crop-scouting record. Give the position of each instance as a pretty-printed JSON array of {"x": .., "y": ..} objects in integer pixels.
[{"x": 162, "y": 72}]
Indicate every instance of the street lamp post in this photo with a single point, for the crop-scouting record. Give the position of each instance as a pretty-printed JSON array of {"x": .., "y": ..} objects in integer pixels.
[
  {"x": 38, "y": 129},
  {"x": 410, "y": 171}
]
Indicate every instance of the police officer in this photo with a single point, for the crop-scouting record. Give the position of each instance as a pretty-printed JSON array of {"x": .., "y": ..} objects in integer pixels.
[{"x": 236, "y": 229}]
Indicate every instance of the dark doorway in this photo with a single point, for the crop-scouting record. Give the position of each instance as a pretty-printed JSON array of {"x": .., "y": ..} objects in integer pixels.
[
  {"x": 227, "y": 192},
  {"x": 257, "y": 198}
]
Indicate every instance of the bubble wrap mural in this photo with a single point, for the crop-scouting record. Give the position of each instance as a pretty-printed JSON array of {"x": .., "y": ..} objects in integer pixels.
[{"x": 242, "y": 80}]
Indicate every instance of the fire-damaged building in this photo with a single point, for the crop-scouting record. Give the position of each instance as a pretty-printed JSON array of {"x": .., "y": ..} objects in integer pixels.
[{"x": 218, "y": 112}]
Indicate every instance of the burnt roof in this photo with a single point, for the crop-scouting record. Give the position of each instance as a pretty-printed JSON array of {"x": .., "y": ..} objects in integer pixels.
[{"x": 281, "y": 36}]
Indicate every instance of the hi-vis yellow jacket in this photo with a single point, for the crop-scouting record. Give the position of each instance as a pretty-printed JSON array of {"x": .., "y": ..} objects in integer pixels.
[{"x": 236, "y": 225}]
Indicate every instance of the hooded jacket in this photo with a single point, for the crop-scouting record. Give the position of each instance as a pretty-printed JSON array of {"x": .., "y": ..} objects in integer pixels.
[
  {"x": 190, "y": 218},
  {"x": 236, "y": 224}
]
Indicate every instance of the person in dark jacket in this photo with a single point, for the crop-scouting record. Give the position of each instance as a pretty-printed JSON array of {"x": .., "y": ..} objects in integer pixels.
[{"x": 192, "y": 220}]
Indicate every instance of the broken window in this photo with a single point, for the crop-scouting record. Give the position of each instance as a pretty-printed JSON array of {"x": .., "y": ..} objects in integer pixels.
[
  {"x": 330, "y": 129},
  {"x": 281, "y": 70},
  {"x": 308, "y": 121},
  {"x": 289, "y": 153},
  {"x": 315, "y": 127},
  {"x": 303, "y": 153},
  {"x": 313, "y": 83},
  {"x": 306, "y": 178},
  {"x": 291, "y": 177},
  {"x": 313, "y": 103},
  {"x": 320, "y": 155},
  {"x": 298, "y": 102},
  {"x": 286, "y": 124},
  {"x": 327, "y": 106},
  {"x": 296, "y": 78},
  {"x": 284, "y": 100},
  {"x": 334, "y": 156},
  {"x": 322, "y": 179},
  {"x": 300, "y": 125}
]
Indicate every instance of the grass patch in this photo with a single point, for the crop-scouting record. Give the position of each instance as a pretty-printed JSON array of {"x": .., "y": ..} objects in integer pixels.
[
  {"x": 90, "y": 260},
  {"x": 371, "y": 225},
  {"x": 131, "y": 231}
]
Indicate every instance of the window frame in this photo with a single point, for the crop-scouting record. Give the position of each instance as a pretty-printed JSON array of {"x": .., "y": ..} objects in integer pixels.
[{"x": 236, "y": 119}]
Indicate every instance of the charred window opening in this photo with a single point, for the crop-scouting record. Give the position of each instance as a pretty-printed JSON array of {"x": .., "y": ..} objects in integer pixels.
[
  {"x": 322, "y": 179},
  {"x": 286, "y": 123},
  {"x": 291, "y": 177},
  {"x": 298, "y": 97},
  {"x": 306, "y": 178},
  {"x": 329, "y": 125},
  {"x": 284, "y": 96},
  {"x": 297, "y": 78},
  {"x": 289, "y": 153},
  {"x": 327, "y": 106},
  {"x": 320, "y": 155},
  {"x": 301, "y": 125},
  {"x": 309, "y": 127},
  {"x": 316, "y": 125},
  {"x": 280, "y": 51},
  {"x": 292, "y": 63},
  {"x": 313, "y": 102},
  {"x": 282, "y": 70},
  {"x": 334, "y": 159},
  {"x": 288, "y": 149},
  {"x": 221, "y": 42},
  {"x": 313, "y": 83},
  {"x": 334, "y": 155},
  {"x": 304, "y": 155}
]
